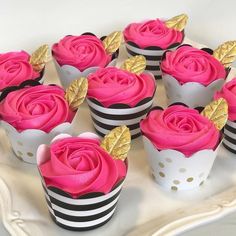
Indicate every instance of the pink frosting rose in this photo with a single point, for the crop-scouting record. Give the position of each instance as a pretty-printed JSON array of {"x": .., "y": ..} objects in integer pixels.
[
  {"x": 79, "y": 166},
  {"x": 15, "y": 68},
  {"x": 40, "y": 107},
  {"x": 188, "y": 64},
  {"x": 180, "y": 128},
  {"x": 152, "y": 33},
  {"x": 228, "y": 92},
  {"x": 82, "y": 52},
  {"x": 112, "y": 85}
]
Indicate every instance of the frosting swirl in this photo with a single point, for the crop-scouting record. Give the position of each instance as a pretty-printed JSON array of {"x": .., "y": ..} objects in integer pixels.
[
  {"x": 188, "y": 64},
  {"x": 40, "y": 107},
  {"x": 228, "y": 92},
  {"x": 82, "y": 52},
  {"x": 112, "y": 85},
  {"x": 78, "y": 166},
  {"x": 152, "y": 33},
  {"x": 15, "y": 68},
  {"x": 180, "y": 128}
]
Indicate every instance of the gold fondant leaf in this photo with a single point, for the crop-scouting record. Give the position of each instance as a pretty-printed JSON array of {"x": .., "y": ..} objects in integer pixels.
[
  {"x": 40, "y": 57},
  {"x": 226, "y": 53},
  {"x": 217, "y": 112},
  {"x": 117, "y": 142},
  {"x": 76, "y": 92},
  {"x": 136, "y": 64},
  {"x": 112, "y": 42},
  {"x": 177, "y": 22}
]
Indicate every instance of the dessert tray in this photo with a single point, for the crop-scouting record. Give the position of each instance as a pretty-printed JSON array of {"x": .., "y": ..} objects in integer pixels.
[{"x": 144, "y": 207}]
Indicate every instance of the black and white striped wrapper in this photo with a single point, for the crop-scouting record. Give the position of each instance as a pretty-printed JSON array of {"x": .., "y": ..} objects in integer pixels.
[
  {"x": 106, "y": 119},
  {"x": 229, "y": 140},
  {"x": 152, "y": 54},
  {"x": 85, "y": 213}
]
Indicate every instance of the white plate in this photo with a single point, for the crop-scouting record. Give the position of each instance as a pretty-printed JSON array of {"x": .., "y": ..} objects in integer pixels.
[{"x": 144, "y": 208}]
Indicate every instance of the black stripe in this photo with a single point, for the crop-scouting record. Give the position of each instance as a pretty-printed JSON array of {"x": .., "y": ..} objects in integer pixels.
[
  {"x": 119, "y": 117},
  {"x": 231, "y": 140},
  {"x": 110, "y": 127},
  {"x": 78, "y": 228},
  {"x": 156, "y": 48},
  {"x": 228, "y": 148},
  {"x": 230, "y": 128},
  {"x": 84, "y": 218},
  {"x": 153, "y": 68},
  {"x": 122, "y": 105},
  {"x": 83, "y": 207},
  {"x": 149, "y": 58},
  {"x": 86, "y": 196},
  {"x": 134, "y": 136},
  {"x": 158, "y": 76},
  {"x": 48, "y": 202}
]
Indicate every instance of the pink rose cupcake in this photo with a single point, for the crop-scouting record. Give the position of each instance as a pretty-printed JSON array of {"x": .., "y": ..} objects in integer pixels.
[
  {"x": 118, "y": 97},
  {"x": 192, "y": 75},
  {"x": 15, "y": 68},
  {"x": 82, "y": 181},
  {"x": 151, "y": 38},
  {"x": 181, "y": 146},
  {"x": 228, "y": 92},
  {"x": 34, "y": 115},
  {"x": 78, "y": 56}
]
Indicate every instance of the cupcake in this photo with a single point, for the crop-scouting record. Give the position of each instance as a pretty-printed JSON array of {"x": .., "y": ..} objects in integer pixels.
[
  {"x": 33, "y": 115},
  {"x": 181, "y": 143},
  {"x": 228, "y": 92},
  {"x": 77, "y": 56},
  {"x": 82, "y": 180},
  {"x": 193, "y": 75},
  {"x": 152, "y": 38},
  {"x": 119, "y": 97},
  {"x": 19, "y": 66}
]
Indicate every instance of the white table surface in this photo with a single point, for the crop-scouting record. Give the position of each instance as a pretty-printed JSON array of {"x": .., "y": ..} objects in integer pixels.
[{"x": 26, "y": 24}]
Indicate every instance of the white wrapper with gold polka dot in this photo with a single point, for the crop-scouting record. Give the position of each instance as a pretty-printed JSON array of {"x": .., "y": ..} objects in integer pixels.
[
  {"x": 25, "y": 143},
  {"x": 174, "y": 171},
  {"x": 192, "y": 94}
]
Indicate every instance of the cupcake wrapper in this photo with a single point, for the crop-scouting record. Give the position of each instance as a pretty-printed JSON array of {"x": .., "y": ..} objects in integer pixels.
[
  {"x": 192, "y": 94},
  {"x": 88, "y": 212},
  {"x": 25, "y": 143},
  {"x": 106, "y": 119},
  {"x": 229, "y": 140},
  {"x": 174, "y": 171},
  {"x": 153, "y": 56},
  {"x": 39, "y": 80},
  {"x": 69, "y": 73}
]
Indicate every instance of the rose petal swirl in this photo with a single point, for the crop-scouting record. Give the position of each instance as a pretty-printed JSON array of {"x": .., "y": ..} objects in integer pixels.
[
  {"x": 228, "y": 92},
  {"x": 79, "y": 166},
  {"x": 188, "y": 64},
  {"x": 180, "y": 128},
  {"x": 15, "y": 69},
  {"x": 82, "y": 52},
  {"x": 40, "y": 107},
  {"x": 112, "y": 85},
  {"x": 152, "y": 33}
]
